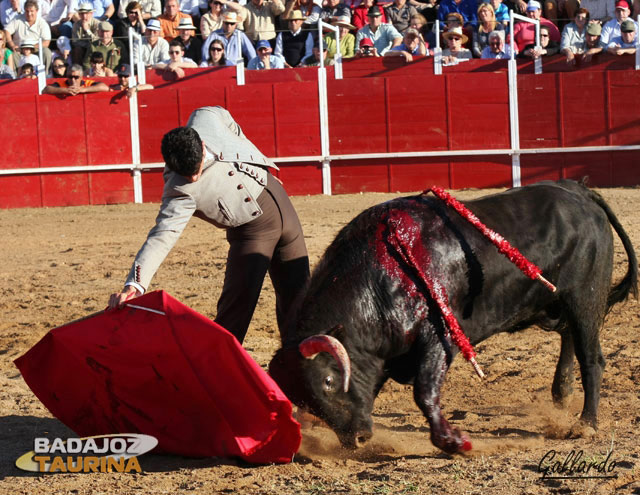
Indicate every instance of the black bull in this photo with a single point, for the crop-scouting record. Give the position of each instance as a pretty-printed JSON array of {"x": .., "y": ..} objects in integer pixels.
[{"x": 366, "y": 317}]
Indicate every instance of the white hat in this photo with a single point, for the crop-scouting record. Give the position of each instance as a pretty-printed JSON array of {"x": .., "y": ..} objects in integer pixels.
[
  {"x": 186, "y": 23},
  {"x": 85, "y": 7},
  {"x": 230, "y": 17},
  {"x": 63, "y": 43},
  {"x": 533, "y": 5},
  {"x": 343, "y": 21},
  {"x": 28, "y": 43},
  {"x": 154, "y": 25}
]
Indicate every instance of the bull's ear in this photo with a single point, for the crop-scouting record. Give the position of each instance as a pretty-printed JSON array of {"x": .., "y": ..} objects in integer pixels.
[{"x": 338, "y": 332}]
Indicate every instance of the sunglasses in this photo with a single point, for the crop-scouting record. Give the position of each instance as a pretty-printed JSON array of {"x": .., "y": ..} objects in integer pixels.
[
  {"x": 58, "y": 66},
  {"x": 229, "y": 23},
  {"x": 544, "y": 35},
  {"x": 76, "y": 77},
  {"x": 176, "y": 52},
  {"x": 216, "y": 49}
]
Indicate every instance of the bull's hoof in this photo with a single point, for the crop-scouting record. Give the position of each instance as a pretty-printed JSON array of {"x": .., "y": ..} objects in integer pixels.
[
  {"x": 456, "y": 443},
  {"x": 582, "y": 429}
]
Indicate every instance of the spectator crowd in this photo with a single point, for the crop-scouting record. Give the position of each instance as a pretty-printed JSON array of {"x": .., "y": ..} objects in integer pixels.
[{"x": 76, "y": 40}]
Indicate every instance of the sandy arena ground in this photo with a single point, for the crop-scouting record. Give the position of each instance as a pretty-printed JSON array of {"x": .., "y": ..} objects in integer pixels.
[{"x": 59, "y": 264}]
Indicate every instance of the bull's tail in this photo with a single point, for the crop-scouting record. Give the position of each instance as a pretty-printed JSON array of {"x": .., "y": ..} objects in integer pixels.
[{"x": 629, "y": 283}]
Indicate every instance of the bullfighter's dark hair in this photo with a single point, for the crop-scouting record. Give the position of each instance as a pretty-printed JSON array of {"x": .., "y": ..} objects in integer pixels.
[{"x": 182, "y": 151}]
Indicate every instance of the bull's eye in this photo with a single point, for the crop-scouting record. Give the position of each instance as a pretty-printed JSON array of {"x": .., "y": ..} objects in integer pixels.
[{"x": 328, "y": 383}]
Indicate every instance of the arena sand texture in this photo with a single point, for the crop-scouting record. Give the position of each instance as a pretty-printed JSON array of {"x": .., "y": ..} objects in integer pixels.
[{"x": 59, "y": 264}]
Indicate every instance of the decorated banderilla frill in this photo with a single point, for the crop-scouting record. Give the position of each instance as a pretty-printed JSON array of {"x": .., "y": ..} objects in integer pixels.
[{"x": 512, "y": 253}]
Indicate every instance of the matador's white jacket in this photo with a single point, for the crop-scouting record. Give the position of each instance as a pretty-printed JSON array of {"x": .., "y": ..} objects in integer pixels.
[{"x": 225, "y": 195}]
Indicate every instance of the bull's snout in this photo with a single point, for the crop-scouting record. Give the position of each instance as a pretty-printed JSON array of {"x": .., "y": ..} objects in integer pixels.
[
  {"x": 355, "y": 440},
  {"x": 361, "y": 438}
]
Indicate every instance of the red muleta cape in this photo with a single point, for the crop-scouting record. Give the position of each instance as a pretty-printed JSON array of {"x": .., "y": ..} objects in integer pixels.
[{"x": 177, "y": 376}]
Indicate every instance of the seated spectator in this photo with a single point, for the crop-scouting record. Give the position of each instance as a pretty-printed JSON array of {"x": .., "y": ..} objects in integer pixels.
[
  {"x": 265, "y": 58},
  {"x": 27, "y": 54},
  {"x": 217, "y": 56},
  {"x": 399, "y": 14},
  {"x": 9, "y": 10},
  {"x": 612, "y": 28},
  {"x": 154, "y": 49},
  {"x": 313, "y": 60},
  {"x": 6, "y": 55},
  {"x": 310, "y": 9},
  {"x": 27, "y": 71},
  {"x": 455, "y": 52},
  {"x": 360, "y": 15},
  {"x": 295, "y": 44},
  {"x": 625, "y": 44},
  {"x": 103, "y": 10},
  {"x": 58, "y": 69},
  {"x": 592, "y": 44},
  {"x": 191, "y": 43},
  {"x": 98, "y": 67},
  {"x": 487, "y": 23},
  {"x": 366, "y": 48},
  {"x": 62, "y": 50},
  {"x": 260, "y": 19},
  {"x": 170, "y": 19},
  {"x": 30, "y": 26},
  {"x": 412, "y": 44},
  {"x": 236, "y": 44},
  {"x": 466, "y": 8},
  {"x": 347, "y": 39},
  {"x": 547, "y": 48},
  {"x": 384, "y": 36},
  {"x": 113, "y": 51},
  {"x": 148, "y": 9},
  {"x": 496, "y": 48},
  {"x": 133, "y": 19},
  {"x": 61, "y": 16},
  {"x": 124, "y": 73},
  {"x": 212, "y": 20},
  {"x": 419, "y": 23},
  {"x": 176, "y": 61},
  {"x": 84, "y": 31},
  {"x": 453, "y": 20},
  {"x": 74, "y": 84},
  {"x": 333, "y": 9},
  {"x": 573, "y": 36},
  {"x": 524, "y": 32},
  {"x": 501, "y": 12}
]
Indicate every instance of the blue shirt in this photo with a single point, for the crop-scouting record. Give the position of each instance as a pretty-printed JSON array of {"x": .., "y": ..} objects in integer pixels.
[
  {"x": 99, "y": 7},
  {"x": 276, "y": 61},
  {"x": 403, "y": 48},
  {"x": 382, "y": 38},
  {"x": 468, "y": 9},
  {"x": 235, "y": 47}
]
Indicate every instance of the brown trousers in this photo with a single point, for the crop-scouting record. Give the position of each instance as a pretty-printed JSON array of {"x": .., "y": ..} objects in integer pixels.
[{"x": 273, "y": 242}]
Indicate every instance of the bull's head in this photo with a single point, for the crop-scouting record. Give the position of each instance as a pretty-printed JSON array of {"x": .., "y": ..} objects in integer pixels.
[{"x": 317, "y": 376}]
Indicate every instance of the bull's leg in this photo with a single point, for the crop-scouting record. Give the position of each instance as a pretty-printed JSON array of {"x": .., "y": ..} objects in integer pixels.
[
  {"x": 562, "y": 386},
  {"x": 426, "y": 392},
  {"x": 591, "y": 361}
]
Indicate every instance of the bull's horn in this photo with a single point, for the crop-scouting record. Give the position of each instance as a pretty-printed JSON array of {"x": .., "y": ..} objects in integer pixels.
[{"x": 311, "y": 346}]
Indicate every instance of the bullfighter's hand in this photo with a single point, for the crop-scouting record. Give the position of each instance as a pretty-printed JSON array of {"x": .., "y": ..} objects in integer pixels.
[{"x": 118, "y": 299}]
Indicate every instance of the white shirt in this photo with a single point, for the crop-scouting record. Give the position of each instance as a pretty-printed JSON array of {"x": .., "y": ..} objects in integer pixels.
[{"x": 152, "y": 55}]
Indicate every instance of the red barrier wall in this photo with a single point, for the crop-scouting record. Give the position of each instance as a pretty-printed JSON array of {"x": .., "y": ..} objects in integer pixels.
[{"x": 381, "y": 106}]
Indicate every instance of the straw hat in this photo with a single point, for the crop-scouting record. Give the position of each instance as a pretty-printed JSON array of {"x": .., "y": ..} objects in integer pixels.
[
  {"x": 456, "y": 31},
  {"x": 343, "y": 21},
  {"x": 296, "y": 15}
]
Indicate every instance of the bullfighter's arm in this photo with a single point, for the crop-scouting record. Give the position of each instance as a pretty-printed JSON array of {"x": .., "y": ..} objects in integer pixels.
[{"x": 173, "y": 217}]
